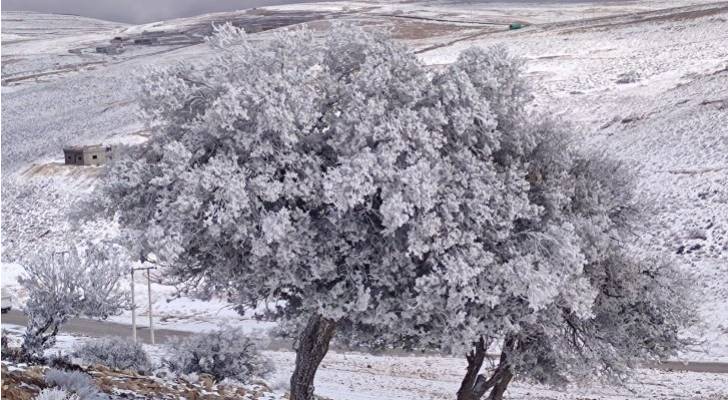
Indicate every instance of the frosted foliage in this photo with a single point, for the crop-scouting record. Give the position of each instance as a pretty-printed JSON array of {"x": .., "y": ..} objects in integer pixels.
[
  {"x": 337, "y": 176},
  {"x": 55, "y": 394},
  {"x": 642, "y": 303},
  {"x": 116, "y": 353},
  {"x": 62, "y": 285},
  {"x": 332, "y": 173},
  {"x": 78, "y": 384},
  {"x": 227, "y": 353}
]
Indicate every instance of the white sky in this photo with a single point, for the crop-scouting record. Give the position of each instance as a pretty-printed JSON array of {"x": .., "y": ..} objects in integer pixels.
[{"x": 137, "y": 11}]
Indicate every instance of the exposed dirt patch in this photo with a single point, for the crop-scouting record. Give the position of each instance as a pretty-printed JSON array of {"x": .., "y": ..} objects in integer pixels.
[
  {"x": 60, "y": 169},
  {"x": 413, "y": 30},
  {"x": 63, "y": 70},
  {"x": 21, "y": 382}
]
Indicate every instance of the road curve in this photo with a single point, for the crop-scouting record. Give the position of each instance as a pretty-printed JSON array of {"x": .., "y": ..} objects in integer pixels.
[{"x": 95, "y": 328}]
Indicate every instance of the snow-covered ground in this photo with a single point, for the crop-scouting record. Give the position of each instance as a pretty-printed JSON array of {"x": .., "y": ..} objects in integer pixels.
[
  {"x": 669, "y": 120},
  {"x": 356, "y": 376}
]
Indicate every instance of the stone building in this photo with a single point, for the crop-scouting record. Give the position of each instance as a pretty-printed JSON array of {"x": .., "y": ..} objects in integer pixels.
[
  {"x": 115, "y": 46},
  {"x": 147, "y": 40},
  {"x": 96, "y": 154},
  {"x": 110, "y": 49}
]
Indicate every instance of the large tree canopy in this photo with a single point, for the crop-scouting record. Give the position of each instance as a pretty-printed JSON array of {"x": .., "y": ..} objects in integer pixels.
[
  {"x": 344, "y": 182},
  {"x": 330, "y": 173}
]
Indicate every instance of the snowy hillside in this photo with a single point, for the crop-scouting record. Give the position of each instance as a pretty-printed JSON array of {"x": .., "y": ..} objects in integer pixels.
[
  {"x": 670, "y": 121},
  {"x": 646, "y": 82}
]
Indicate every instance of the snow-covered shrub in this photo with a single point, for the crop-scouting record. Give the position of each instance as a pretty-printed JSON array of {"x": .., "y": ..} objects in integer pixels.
[
  {"x": 56, "y": 394},
  {"x": 9, "y": 352},
  {"x": 114, "y": 352},
  {"x": 628, "y": 77},
  {"x": 75, "y": 382},
  {"x": 227, "y": 353},
  {"x": 4, "y": 341},
  {"x": 62, "y": 285}
]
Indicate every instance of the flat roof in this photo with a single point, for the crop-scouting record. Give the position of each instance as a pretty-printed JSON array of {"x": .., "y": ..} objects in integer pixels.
[{"x": 84, "y": 148}]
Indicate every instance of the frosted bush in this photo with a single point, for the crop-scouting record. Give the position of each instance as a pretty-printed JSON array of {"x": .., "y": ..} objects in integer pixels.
[
  {"x": 628, "y": 77},
  {"x": 116, "y": 353},
  {"x": 227, "y": 353},
  {"x": 55, "y": 394},
  {"x": 75, "y": 382}
]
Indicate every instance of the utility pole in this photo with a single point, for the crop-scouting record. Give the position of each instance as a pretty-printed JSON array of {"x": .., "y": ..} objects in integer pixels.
[
  {"x": 149, "y": 293},
  {"x": 133, "y": 303},
  {"x": 133, "y": 308}
]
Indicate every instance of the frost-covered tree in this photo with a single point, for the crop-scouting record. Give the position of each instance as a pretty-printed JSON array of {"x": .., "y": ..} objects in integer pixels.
[
  {"x": 283, "y": 171},
  {"x": 566, "y": 301},
  {"x": 341, "y": 180},
  {"x": 554, "y": 294},
  {"x": 61, "y": 285},
  {"x": 642, "y": 302}
]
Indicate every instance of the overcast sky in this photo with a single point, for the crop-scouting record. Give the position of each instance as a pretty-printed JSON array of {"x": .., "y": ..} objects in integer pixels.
[{"x": 137, "y": 11}]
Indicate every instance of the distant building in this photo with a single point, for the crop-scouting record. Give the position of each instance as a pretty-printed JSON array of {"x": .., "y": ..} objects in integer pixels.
[
  {"x": 110, "y": 49},
  {"x": 116, "y": 47},
  {"x": 150, "y": 37},
  {"x": 96, "y": 154},
  {"x": 153, "y": 33},
  {"x": 147, "y": 40}
]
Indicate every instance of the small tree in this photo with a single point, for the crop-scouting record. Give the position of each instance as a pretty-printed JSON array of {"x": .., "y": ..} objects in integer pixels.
[{"x": 62, "y": 285}]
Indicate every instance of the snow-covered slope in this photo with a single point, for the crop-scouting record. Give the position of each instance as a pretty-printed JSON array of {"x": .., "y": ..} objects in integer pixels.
[
  {"x": 644, "y": 81},
  {"x": 653, "y": 92}
]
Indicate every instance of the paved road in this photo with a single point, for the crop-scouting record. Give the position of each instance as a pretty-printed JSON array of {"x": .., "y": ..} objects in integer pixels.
[
  {"x": 89, "y": 327},
  {"x": 94, "y": 328}
]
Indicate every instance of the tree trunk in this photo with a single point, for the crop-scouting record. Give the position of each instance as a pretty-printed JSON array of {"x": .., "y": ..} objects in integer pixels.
[
  {"x": 475, "y": 385},
  {"x": 313, "y": 343},
  {"x": 503, "y": 374},
  {"x": 501, "y": 385}
]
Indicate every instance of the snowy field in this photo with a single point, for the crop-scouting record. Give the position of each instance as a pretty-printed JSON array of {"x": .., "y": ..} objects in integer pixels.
[{"x": 639, "y": 80}]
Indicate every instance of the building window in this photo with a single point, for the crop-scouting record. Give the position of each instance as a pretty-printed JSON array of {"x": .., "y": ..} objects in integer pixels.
[{"x": 94, "y": 157}]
